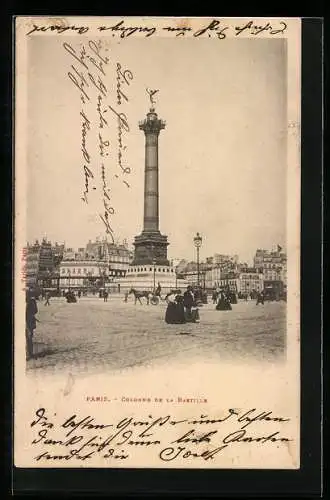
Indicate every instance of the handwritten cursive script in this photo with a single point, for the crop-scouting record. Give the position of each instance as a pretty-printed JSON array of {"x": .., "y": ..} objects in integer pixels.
[
  {"x": 205, "y": 437},
  {"x": 215, "y": 28},
  {"x": 92, "y": 73}
]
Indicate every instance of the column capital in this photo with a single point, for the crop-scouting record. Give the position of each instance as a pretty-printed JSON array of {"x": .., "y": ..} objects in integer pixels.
[{"x": 152, "y": 124}]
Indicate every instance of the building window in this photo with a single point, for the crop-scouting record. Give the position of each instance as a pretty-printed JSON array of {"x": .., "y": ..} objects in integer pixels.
[
  {"x": 159, "y": 270},
  {"x": 150, "y": 268},
  {"x": 79, "y": 271},
  {"x": 163, "y": 270},
  {"x": 74, "y": 270},
  {"x": 63, "y": 271},
  {"x": 168, "y": 270}
]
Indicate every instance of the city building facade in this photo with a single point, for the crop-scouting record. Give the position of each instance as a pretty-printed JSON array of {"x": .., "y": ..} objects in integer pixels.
[
  {"x": 83, "y": 273},
  {"x": 40, "y": 265},
  {"x": 56, "y": 267},
  {"x": 273, "y": 264},
  {"x": 245, "y": 282},
  {"x": 99, "y": 264}
]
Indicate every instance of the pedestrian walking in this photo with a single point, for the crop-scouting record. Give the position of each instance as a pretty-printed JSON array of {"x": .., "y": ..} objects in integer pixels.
[
  {"x": 30, "y": 323},
  {"x": 47, "y": 303},
  {"x": 125, "y": 296},
  {"x": 260, "y": 298},
  {"x": 158, "y": 290},
  {"x": 105, "y": 296}
]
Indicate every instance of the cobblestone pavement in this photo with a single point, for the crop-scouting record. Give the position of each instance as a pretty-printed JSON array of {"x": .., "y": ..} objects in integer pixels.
[{"x": 95, "y": 336}]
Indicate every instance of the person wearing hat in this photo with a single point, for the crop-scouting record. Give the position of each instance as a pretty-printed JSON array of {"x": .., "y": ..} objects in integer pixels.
[
  {"x": 30, "y": 322},
  {"x": 188, "y": 302}
]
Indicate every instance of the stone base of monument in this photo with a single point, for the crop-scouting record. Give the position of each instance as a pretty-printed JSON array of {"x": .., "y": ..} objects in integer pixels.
[{"x": 143, "y": 277}]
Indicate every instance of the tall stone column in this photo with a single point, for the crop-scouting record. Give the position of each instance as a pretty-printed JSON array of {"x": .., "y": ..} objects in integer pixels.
[
  {"x": 151, "y": 245},
  {"x": 151, "y": 127}
]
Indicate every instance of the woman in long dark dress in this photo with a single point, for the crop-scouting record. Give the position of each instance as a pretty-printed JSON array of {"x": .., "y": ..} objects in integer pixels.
[
  {"x": 223, "y": 303},
  {"x": 175, "y": 310}
]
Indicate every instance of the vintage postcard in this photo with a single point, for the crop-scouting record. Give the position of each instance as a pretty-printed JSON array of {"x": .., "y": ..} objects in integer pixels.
[{"x": 157, "y": 242}]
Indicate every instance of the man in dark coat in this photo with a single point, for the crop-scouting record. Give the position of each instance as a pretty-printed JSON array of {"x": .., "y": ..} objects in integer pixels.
[
  {"x": 260, "y": 298},
  {"x": 188, "y": 302},
  {"x": 158, "y": 290},
  {"x": 188, "y": 298},
  {"x": 30, "y": 322}
]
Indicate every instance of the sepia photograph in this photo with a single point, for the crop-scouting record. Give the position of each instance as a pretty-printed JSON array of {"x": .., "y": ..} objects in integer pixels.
[{"x": 157, "y": 219}]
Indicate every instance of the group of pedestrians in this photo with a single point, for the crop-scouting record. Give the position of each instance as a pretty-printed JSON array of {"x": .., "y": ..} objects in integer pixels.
[
  {"x": 182, "y": 308},
  {"x": 224, "y": 301},
  {"x": 224, "y": 298}
]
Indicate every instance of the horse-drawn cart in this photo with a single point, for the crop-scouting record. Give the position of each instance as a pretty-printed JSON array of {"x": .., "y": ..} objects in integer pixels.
[{"x": 151, "y": 298}]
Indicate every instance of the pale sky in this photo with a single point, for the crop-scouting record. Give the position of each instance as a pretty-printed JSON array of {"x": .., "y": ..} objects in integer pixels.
[{"x": 222, "y": 155}]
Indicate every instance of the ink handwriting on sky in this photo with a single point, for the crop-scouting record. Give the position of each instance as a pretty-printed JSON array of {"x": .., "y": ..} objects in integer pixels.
[{"x": 93, "y": 73}]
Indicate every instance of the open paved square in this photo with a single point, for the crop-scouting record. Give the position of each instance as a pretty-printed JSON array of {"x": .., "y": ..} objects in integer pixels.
[{"x": 92, "y": 336}]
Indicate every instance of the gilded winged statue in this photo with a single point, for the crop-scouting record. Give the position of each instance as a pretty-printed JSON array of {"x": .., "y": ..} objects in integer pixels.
[{"x": 151, "y": 94}]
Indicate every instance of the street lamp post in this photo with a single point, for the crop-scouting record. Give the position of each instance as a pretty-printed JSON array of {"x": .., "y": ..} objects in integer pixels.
[
  {"x": 198, "y": 243},
  {"x": 48, "y": 279},
  {"x": 154, "y": 264}
]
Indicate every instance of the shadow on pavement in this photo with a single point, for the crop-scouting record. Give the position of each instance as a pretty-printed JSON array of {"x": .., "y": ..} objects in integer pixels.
[
  {"x": 186, "y": 333},
  {"x": 39, "y": 351}
]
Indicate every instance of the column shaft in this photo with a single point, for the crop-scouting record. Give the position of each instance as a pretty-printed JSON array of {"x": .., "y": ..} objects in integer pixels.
[{"x": 151, "y": 194}]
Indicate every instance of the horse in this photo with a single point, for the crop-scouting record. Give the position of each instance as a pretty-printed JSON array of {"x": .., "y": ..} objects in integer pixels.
[{"x": 138, "y": 295}]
